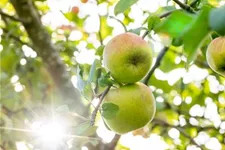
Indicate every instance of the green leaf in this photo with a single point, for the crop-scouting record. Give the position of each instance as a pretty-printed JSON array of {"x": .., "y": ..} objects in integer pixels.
[
  {"x": 153, "y": 20},
  {"x": 84, "y": 129},
  {"x": 137, "y": 30},
  {"x": 175, "y": 24},
  {"x": 100, "y": 50},
  {"x": 160, "y": 84},
  {"x": 163, "y": 10},
  {"x": 93, "y": 71},
  {"x": 168, "y": 62},
  {"x": 122, "y": 5},
  {"x": 177, "y": 41},
  {"x": 105, "y": 80},
  {"x": 217, "y": 20},
  {"x": 106, "y": 30},
  {"x": 80, "y": 82},
  {"x": 196, "y": 33},
  {"x": 109, "y": 110}
]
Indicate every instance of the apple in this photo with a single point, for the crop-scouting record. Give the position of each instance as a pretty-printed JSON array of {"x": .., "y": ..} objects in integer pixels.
[
  {"x": 215, "y": 55},
  {"x": 136, "y": 107},
  {"x": 128, "y": 57},
  {"x": 84, "y": 1},
  {"x": 75, "y": 10}
]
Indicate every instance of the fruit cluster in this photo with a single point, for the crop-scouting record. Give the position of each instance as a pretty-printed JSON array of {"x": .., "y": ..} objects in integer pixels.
[{"x": 128, "y": 58}]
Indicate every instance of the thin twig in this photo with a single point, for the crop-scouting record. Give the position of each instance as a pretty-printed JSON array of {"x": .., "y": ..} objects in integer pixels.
[
  {"x": 94, "y": 113},
  {"x": 10, "y": 17},
  {"x": 124, "y": 27},
  {"x": 184, "y": 6},
  {"x": 156, "y": 65},
  {"x": 161, "y": 122}
]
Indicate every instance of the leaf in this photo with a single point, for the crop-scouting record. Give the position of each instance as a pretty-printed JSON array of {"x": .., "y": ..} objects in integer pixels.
[
  {"x": 80, "y": 82},
  {"x": 109, "y": 110},
  {"x": 153, "y": 20},
  {"x": 137, "y": 30},
  {"x": 198, "y": 29},
  {"x": 84, "y": 129},
  {"x": 122, "y": 5},
  {"x": 175, "y": 24},
  {"x": 106, "y": 30},
  {"x": 105, "y": 80},
  {"x": 177, "y": 41},
  {"x": 163, "y": 10},
  {"x": 217, "y": 20},
  {"x": 92, "y": 72},
  {"x": 100, "y": 50},
  {"x": 160, "y": 84},
  {"x": 168, "y": 63}
]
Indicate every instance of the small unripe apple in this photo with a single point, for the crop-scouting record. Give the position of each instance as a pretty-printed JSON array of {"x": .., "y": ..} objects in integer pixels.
[
  {"x": 75, "y": 10},
  {"x": 215, "y": 55},
  {"x": 136, "y": 107},
  {"x": 128, "y": 57}
]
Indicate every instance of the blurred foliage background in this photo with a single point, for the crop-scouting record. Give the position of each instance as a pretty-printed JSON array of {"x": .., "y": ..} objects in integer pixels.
[{"x": 51, "y": 51}]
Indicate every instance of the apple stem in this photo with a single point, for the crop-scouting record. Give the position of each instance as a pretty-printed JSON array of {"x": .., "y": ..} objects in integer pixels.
[{"x": 94, "y": 113}]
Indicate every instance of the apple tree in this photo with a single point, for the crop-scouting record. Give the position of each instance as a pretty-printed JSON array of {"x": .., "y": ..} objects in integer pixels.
[{"x": 66, "y": 84}]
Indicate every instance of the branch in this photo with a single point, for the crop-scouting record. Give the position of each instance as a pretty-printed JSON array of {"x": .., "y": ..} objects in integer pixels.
[
  {"x": 10, "y": 17},
  {"x": 184, "y": 6},
  {"x": 94, "y": 113},
  {"x": 163, "y": 123},
  {"x": 44, "y": 47},
  {"x": 113, "y": 143},
  {"x": 156, "y": 65}
]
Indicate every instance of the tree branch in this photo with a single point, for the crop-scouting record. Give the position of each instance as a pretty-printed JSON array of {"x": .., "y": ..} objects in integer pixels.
[
  {"x": 47, "y": 51},
  {"x": 184, "y": 6},
  {"x": 10, "y": 17},
  {"x": 113, "y": 143},
  {"x": 94, "y": 113},
  {"x": 156, "y": 65}
]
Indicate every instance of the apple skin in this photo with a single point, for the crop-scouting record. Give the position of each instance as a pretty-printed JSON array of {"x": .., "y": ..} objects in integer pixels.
[
  {"x": 136, "y": 107},
  {"x": 84, "y": 1},
  {"x": 215, "y": 55},
  {"x": 75, "y": 10},
  {"x": 128, "y": 57}
]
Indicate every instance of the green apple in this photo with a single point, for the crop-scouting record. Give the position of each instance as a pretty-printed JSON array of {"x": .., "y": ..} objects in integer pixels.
[
  {"x": 215, "y": 55},
  {"x": 136, "y": 107},
  {"x": 128, "y": 57}
]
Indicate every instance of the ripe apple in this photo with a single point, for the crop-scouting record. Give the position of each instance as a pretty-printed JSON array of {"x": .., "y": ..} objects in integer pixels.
[
  {"x": 75, "y": 10},
  {"x": 215, "y": 55},
  {"x": 136, "y": 107},
  {"x": 128, "y": 57},
  {"x": 84, "y": 1}
]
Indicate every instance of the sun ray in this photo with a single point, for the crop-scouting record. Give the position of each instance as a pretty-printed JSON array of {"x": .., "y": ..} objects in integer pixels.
[{"x": 17, "y": 129}]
